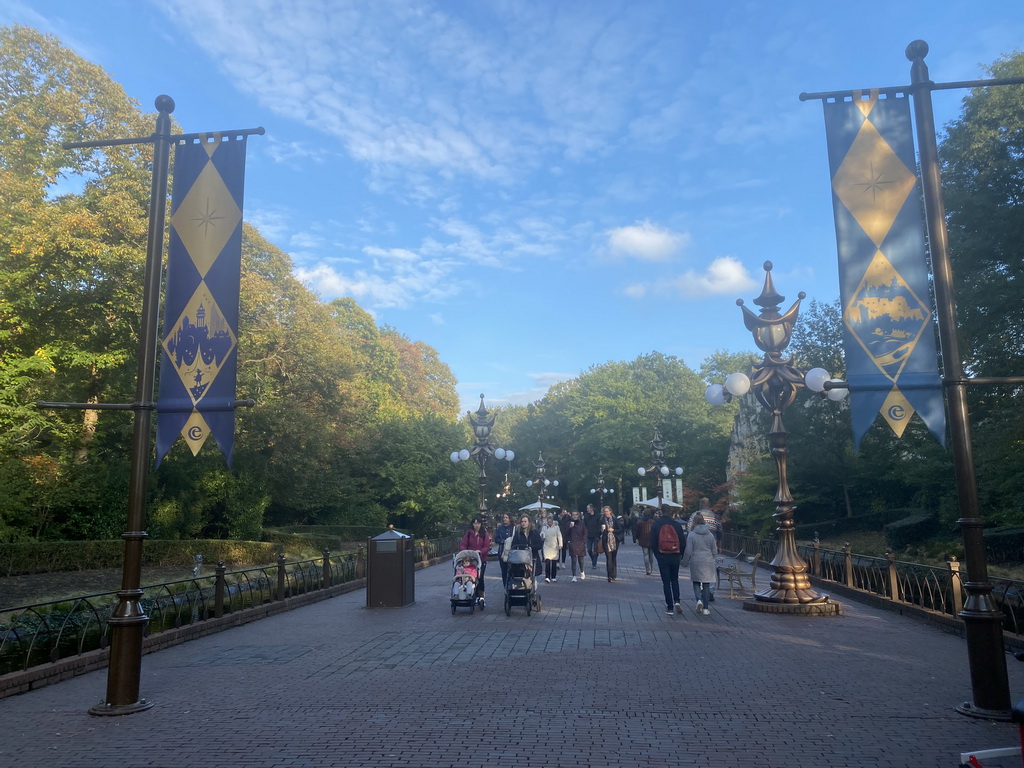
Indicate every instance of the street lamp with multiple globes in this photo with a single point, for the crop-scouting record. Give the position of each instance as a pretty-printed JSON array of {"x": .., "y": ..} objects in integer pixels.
[
  {"x": 774, "y": 383},
  {"x": 601, "y": 489},
  {"x": 541, "y": 482},
  {"x": 482, "y": 421},
  {"x": 658, "y": 467}
]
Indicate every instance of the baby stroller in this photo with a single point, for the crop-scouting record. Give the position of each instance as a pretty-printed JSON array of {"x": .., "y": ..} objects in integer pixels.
[
  {"x": 521, "y": 588},
  {"x": 462, "y": 595}
]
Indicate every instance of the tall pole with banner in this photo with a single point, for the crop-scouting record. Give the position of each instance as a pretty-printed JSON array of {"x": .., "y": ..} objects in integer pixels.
[
  {"x": 888, "y": 298},
  {"x": 128, "y": 620}
]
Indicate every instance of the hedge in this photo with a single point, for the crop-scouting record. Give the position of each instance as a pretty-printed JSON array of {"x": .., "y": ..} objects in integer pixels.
[
  {"x": 56, "y": 556},
  {"x": 911, "y": 530}
]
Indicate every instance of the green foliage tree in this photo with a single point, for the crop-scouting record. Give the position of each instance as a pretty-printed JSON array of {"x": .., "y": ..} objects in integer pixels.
[
  {"x": 606, "y": 417},
  {"x": 982, "y": 158}
]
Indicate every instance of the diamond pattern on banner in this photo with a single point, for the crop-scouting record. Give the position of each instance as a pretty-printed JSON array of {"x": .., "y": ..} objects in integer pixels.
[
  {"x": 873, "y": 183},
  {"x": 206, "y": 218}
]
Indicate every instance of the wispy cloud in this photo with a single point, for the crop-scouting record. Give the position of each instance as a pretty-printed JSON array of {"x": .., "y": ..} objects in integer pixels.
[{"x": 427, "y": 86}]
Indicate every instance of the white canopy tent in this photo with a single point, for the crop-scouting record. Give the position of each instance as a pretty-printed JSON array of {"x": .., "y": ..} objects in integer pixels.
[
  {"x": 664, "y": 502},
  {"x": 539, "y": 505}
]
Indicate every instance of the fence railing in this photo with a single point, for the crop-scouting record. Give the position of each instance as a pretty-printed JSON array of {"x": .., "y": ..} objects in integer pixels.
[
  {"x": 42, "y": 633},
  {"x": 931, "y": 587}
]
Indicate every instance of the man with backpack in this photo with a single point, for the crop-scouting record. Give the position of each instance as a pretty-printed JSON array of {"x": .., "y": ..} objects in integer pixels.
[{"x": 668, "y": 539}]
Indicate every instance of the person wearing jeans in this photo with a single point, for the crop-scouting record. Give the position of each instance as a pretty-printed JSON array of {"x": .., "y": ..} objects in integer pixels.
[
  {"x": 699, "y": 557},
  {"x": 668, "y": 562}
]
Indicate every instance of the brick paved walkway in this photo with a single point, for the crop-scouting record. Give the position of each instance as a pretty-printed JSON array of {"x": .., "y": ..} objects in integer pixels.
[{"x": 601, "y": 677}]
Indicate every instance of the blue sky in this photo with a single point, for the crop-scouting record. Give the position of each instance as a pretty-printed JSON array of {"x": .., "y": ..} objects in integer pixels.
[{"x": 534, "y": 188}]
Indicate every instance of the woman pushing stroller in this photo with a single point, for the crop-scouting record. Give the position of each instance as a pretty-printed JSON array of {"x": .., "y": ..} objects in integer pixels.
[
  {"x": 477, "y": 538},
  {"x": 528, "y": 537}
]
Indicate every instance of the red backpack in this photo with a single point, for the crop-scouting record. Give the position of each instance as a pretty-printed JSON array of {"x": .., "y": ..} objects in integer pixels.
[{"x": 668, "y": 539}]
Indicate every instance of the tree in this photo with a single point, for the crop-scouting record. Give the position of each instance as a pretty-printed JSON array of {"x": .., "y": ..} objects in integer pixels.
[{"x": 982, "y": 158}]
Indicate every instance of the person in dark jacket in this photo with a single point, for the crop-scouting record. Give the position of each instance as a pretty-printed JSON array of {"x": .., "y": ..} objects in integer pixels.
[
  {"x": 668, "y": 562},
  {"x": 528, "y": 537},
  {"x": 577, "y": 544},
  {"x": 643, "y": 538},
  {"x": 563, "y": 524},
  {"x": 593, "y": 522},
  {"x": 502, "y": 532}
]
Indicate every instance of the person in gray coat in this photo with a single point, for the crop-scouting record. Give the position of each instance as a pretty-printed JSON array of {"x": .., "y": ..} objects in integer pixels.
[{"x": 699, "y": 557}]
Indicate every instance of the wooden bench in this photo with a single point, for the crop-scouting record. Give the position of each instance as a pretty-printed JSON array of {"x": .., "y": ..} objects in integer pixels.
[{"x": 735, "y": 574}]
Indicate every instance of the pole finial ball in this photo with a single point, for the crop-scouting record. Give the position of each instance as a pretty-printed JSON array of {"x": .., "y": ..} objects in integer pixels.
[
  {"x": 164, "y": 103},
  {"x": 768, "y": 266},
  {"x": 917, "y": 50}
]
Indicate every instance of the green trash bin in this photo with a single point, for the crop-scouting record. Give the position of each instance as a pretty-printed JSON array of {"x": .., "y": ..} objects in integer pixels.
[{"x": 390, "y": 570}]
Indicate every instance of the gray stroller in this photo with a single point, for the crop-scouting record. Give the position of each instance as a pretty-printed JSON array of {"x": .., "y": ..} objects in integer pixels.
[{"x": 521, "y": 588}]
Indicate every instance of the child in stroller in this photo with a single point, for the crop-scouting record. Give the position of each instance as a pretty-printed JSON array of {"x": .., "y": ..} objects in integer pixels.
[{"x": 466, "y": 585}]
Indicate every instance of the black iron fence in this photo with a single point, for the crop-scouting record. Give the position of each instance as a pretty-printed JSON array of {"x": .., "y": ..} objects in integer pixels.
[
  {"x": 930, "y": 587},
  {"x": 34, "y": 635}
]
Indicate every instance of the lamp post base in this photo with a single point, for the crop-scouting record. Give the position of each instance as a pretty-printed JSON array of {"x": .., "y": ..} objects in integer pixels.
[
  {"x": 824, "y": 608},
  {"x": 112, "y": 710},
  {"x": 967, "y": 708}
]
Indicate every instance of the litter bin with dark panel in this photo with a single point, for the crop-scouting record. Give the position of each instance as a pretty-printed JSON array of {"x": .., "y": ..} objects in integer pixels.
[{"x": 390, "y": 570}]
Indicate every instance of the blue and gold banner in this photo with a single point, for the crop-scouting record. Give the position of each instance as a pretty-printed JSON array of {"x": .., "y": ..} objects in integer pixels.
[
  {"x": 204, "y": 256},
  {"x": 888, "y": 329}
]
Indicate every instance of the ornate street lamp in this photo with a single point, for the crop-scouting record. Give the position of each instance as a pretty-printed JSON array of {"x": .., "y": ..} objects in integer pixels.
[
  {"x": 774, "y": 382},
  {"x": 540, "y": 482},
  {"x": 482, "y": 422},
  {"x": 601, "y": 488},
  {"x": 658, "y": 467}
]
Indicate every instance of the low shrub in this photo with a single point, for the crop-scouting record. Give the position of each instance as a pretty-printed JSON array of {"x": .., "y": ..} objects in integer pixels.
[
  {"x": 57, "y": 556},
  {"x": 911, "y": 530}
]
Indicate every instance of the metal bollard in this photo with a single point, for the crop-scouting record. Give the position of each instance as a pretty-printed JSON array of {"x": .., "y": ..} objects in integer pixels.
[
  {"x": 280, "y": 576},
  {"x": 218, "y": 590},
  {"x": 894, "y": 578},
  {"x": 360, "y": 562},
  {"x": 956, "y": 585},
  {"x": 848, "y": 564},
  {"x": 327, "y": 569}
]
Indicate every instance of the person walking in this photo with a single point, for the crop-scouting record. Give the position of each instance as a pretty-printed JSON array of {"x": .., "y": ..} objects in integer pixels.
[
  {"x": 552, "y": 536},
  {"x": 476, "y": 537},
  {"x": 527, "y": 537},
  {"x": 643, "y": 538},
  {"x": 563, "y": 526},
  {"x": 501, "y": 533},
  {"x": 593, "y": 523},
  {"x": 609, "y": 542},
  {"x": 667, "y": 542},
  {"x": 715, "y": 526},
  {"x": 577, "y": 544},
  {"x": 699, "y": 557}
]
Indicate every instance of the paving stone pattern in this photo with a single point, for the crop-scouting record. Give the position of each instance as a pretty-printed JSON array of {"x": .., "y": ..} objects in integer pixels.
[{"x": 600, "y": 677}]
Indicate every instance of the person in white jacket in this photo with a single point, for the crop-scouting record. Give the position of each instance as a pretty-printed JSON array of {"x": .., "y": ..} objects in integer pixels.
[{"x": 552, "y": 536}]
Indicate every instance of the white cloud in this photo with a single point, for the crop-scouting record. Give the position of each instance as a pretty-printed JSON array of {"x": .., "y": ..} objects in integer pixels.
[
  {"x": 646, "y": 241},
  {"x": 724, "y": 275}
]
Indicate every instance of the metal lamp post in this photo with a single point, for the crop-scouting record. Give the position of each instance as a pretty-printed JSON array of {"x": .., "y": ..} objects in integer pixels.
[
  {"x": 482, "y": 422},
  {"x": 540, "y": 481},
  {"x": 774, "y": 382},
  {"x": 658, "y": 466},
  {"x": 601, "y": 488}
]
